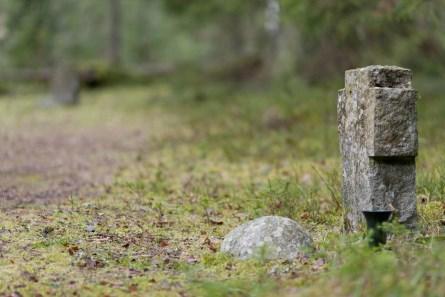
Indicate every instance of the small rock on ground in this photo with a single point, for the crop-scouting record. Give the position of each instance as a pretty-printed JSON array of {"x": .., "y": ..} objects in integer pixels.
[{"x": 273, "y": 237}]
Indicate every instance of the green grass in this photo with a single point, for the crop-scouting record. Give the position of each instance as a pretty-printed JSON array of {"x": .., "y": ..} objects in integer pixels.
[{"x": 216, "y": 158}]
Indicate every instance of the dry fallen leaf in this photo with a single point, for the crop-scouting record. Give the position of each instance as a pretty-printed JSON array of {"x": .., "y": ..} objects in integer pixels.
[
  {"x": 163, "y": 243},
  {"x": 73, "y": 249},
  {"x": 210, "y": 244},
  {"x": 133, "y": 288}
]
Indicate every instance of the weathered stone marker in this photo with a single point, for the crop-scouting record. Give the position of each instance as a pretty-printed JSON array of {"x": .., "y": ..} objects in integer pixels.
[{"x": 378, "y": 143}]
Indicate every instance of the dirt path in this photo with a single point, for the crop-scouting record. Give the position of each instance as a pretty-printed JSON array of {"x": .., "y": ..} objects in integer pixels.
[{"x": 41, "y": 163}]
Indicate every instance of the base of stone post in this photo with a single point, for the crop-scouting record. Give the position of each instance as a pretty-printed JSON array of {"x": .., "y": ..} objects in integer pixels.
[
  {"x": 378, "y": 143},
  {"x": 374, "y": 223}
]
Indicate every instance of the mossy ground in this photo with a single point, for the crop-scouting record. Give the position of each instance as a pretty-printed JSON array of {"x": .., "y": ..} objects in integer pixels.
[{"x": 217, "y": 157}]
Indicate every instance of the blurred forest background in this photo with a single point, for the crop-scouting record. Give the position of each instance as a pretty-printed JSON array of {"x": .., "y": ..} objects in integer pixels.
[{"x": 262, "y": 40}]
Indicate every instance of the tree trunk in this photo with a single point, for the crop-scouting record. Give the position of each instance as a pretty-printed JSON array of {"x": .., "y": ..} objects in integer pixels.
[
  {"x": 272, "y": 26},
  {"x": 114, "y": 47}
]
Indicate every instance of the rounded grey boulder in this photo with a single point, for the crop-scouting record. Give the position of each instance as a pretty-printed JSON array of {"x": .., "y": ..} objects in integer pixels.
[{"x": 273, "y": 237}]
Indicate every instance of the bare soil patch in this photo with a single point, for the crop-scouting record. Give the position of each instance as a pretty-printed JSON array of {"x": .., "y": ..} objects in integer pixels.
[{"x": 46, "y": 162}]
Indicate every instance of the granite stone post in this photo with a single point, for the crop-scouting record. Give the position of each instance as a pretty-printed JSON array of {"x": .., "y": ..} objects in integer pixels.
[{"x": 378, "y": 143}]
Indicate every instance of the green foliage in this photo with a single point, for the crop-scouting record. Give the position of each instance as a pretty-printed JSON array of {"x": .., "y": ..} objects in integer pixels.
[
  {"x": 40, "y": 33},
  {"x": 403, "y": 269},
  {"x": 32, "y": 30},
  {"x": 345, "y": 34},
  {"x": 205, "y": 10},
  {"x": 432, "y": 184},
  {"x": 317, "y": 39},
  {"x": 236, "y": 288}
]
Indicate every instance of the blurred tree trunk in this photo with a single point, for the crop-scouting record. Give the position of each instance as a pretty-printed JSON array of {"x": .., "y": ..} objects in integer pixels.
[
  {"x": 114, "y": 47},
  {"x": 237, "y": 38},
  {"x": 272, "y": 26}
]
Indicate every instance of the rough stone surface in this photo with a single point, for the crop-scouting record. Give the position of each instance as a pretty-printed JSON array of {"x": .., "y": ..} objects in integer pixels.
[
  {"x": 378, "y": 143},
  {"x": 281, "y": 238}
]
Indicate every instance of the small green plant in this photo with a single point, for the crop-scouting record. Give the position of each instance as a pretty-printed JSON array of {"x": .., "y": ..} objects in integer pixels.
[{"x": 235, "y": 288}]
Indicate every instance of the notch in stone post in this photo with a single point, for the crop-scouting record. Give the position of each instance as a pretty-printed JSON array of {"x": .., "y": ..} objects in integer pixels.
[{"x": 378, "y": 143}]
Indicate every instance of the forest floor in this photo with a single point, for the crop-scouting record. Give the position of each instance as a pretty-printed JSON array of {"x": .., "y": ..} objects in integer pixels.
[{"x": 132, "y": 192}]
